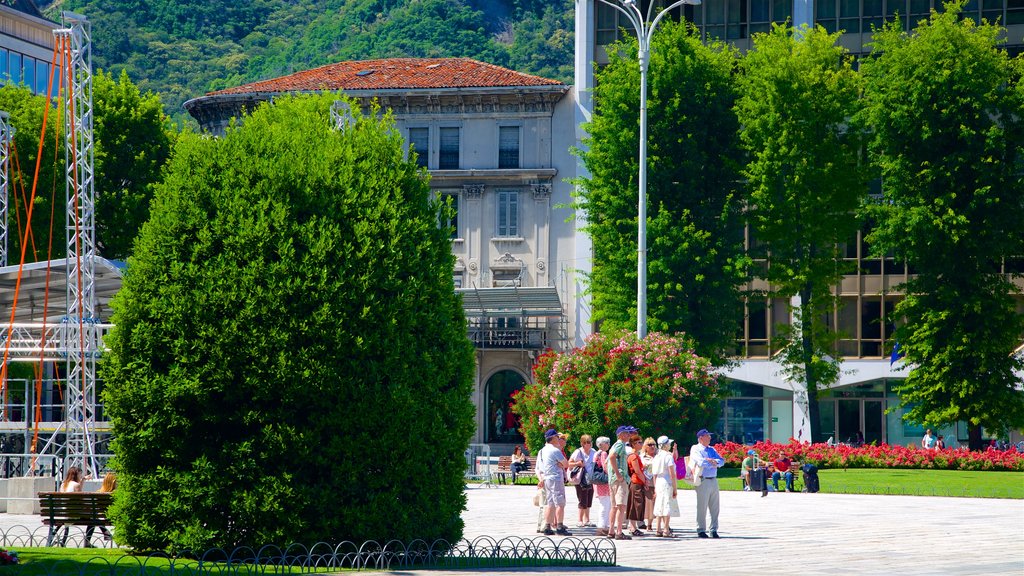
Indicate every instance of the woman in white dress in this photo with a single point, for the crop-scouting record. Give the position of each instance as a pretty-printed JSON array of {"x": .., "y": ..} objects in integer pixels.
[{"x": 663, "y": 468}]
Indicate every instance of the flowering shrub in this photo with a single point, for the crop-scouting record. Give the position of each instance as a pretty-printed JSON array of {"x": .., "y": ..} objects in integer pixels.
[
  {"x": 657, "y": 384},
  {"x": 881, "y": 456},
  {"x": 8, "y": 557}
]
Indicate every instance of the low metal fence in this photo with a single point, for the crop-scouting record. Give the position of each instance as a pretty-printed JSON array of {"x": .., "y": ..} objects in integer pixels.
[{"x": 483, "y": 552}]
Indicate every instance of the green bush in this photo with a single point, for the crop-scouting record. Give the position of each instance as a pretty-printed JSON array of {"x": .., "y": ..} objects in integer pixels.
[{"x": 290, "y": 361}]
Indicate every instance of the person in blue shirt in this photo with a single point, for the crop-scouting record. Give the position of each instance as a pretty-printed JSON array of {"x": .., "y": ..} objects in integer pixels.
[{"x": 705, "y": 458}]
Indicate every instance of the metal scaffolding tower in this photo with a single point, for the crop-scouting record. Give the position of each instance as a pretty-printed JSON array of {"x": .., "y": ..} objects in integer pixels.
[{"x": 81, "y": 325}]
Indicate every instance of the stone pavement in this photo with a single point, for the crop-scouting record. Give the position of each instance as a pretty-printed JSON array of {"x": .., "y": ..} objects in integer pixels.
[
  {"x": 787, "y": 533},
  {"x": 784, "y": 533}
]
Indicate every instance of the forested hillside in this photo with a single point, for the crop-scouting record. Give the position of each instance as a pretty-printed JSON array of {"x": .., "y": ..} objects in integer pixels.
[{"x": 185, "y": 48}]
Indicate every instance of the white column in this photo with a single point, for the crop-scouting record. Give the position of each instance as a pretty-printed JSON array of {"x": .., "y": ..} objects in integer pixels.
[{"x": 582, "y": 92}]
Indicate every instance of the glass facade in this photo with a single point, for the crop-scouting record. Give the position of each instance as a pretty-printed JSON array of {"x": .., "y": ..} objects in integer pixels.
[{"x": 33, "y": 73}]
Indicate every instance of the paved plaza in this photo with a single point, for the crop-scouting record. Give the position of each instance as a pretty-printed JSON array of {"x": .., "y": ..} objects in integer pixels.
[
  {"x": 784, "y": 533},
  {"x": 787, "y": 533}
]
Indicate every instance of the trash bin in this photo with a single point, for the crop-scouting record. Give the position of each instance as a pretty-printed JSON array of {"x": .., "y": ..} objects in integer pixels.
[{"x": 810, "y": 478}]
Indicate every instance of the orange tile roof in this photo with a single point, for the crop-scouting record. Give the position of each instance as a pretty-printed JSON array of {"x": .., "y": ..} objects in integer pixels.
[{"x": 395, "y": 73}]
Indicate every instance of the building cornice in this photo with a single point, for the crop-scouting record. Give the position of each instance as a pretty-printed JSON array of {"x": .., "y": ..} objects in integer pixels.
[{"x": 214, "y": 109}]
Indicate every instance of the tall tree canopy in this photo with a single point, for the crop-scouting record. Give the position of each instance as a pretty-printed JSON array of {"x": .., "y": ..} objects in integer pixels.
[
  {"x": 695, "y": 230},
  {"x": 289, "y": 349},
  {"x": 798, "y": 91},
  {"x": 944, "y": 110},
  {"x": 132, "y": 140}
]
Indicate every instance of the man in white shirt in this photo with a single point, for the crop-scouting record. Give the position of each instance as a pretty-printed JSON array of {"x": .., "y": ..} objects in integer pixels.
[
  {"x": 551, "y": 464},
  {"x": 705, "y": 458}
]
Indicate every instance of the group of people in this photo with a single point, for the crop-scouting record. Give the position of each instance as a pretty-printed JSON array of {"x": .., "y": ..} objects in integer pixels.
[
  {"x": 634, "y": 481},
  {"x": 778, "y": 469},
  {"x": 930, "y": 442},
  {"x": 73, "y": 480}
]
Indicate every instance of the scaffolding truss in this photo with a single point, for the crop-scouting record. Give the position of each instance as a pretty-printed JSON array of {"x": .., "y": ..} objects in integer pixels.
[{"x": 81, "y": 327}]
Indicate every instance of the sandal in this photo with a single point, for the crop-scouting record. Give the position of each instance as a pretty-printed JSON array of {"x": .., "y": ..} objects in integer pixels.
[
  {"x": 637, "y": 533},
  {"x": 622, "y": 537}
]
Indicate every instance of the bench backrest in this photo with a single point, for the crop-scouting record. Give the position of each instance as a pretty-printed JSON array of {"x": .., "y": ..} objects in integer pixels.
[
  {"x": 74, "y": 505},
  {"x": 505, "y": 463}
]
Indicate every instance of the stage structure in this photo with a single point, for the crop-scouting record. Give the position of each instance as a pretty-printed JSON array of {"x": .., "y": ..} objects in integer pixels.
[{"x": 74, "y": 334}]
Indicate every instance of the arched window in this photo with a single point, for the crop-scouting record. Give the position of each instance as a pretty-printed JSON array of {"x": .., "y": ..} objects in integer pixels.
[{"x": 501, "y": 424}]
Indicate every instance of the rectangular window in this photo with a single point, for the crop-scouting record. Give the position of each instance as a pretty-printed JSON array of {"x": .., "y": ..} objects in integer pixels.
[
  {"x": 42, "y": 76},
  {"x": 449, "y": 151},
  {"x": 508, "y": 147},
  {"x": 3, "y": 65},
  {"x": 14, "y": 68},
  {"x": 28, "y": 72},
  {"x": 55, "y": 87},
  {"x": 508, "y": 213},
  {"x": 607, "y": 24},
  {"x": 450, "y": 219},
  {"x": 457, "y": 279},
  {"x": 419, "y": 141}
]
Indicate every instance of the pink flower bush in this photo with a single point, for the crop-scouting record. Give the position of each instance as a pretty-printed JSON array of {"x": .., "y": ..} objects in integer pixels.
[
  {"x": 881, "y": 456},
  {"x": 657, "y": 384}
]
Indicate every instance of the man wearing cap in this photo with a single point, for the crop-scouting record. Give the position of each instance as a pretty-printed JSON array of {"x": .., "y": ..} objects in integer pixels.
[
  {"x": 746, "y": 467},
  {"x": 705, "y": 458},
  {"x": 618, "y": 483},
  {"x": 551, "y": 465}
]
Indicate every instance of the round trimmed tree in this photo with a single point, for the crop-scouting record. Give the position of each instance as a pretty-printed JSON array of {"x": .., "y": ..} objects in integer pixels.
[{"x": 290, "y": 361}]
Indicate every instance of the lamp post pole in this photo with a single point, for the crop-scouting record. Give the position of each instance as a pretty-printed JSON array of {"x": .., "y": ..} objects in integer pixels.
[{"x": 644, "y": 27}]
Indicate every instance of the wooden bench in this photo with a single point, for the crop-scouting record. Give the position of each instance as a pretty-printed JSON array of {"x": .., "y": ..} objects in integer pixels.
[
  {"x": 59, "y": 509},
  {"x": 504, "y": 469}
]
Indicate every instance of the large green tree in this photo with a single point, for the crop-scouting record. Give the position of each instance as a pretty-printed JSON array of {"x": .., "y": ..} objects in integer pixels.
[
  {"x": 289, "y": 357},
  {"x": 695, "y": 231},
  {"x": 26, "y": 118},
  {"x": 134, "y": 142},
  {"x": 944, "y": 109},
  {"x": 798, "y": 92}
]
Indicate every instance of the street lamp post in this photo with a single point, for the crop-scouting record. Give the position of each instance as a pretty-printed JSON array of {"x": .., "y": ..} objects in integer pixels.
[{"x": 644, "y": 27}]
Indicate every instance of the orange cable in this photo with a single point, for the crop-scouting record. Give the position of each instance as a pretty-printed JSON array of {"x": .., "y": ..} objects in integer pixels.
[
  {"x": 21, "y": 265},
  {"x": 49, "y": 268}
]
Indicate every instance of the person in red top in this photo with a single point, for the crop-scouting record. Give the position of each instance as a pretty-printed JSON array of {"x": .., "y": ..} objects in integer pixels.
[
  {"x": 636, "y": 505},
  {"x": 782, "y": 468}
]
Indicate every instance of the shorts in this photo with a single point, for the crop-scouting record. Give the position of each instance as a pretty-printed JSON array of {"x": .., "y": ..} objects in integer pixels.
[
  {"x": 585, "y": 495},
  {"x": 620, "y": 492},
  {"x": 555, "y": 488}
]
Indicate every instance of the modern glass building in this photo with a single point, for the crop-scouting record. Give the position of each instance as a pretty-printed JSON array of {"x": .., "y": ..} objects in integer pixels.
[
  {"x": 763, "y": 404},
  {"x": 26, "y": 46}
]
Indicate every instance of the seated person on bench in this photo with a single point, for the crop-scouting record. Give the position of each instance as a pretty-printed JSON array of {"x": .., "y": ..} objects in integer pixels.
[{"x": 783, "y": 468}]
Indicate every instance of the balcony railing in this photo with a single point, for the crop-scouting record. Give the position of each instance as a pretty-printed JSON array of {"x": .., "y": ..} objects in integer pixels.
[{"x": 492, "y": 337}]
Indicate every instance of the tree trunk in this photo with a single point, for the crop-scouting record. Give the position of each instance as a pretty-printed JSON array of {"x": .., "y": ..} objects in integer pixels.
[
  {"x": 974, "y": 441},
  {"x": 807, "y": 348}
]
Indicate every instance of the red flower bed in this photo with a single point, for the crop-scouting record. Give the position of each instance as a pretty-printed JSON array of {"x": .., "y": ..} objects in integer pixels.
[{"x": 881, "y": 456}]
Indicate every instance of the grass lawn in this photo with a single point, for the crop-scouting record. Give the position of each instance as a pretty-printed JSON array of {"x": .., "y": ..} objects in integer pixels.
[
  {"x": 905, "y": 481},
  {"x": 52, "y": 561}
]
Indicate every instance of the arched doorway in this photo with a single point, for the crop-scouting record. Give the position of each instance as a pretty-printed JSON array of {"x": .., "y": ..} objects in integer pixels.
[{"x": 501, "y": 424}]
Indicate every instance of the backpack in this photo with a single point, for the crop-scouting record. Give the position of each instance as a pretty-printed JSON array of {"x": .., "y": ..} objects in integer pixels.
[{"x": 600, "y": 476}]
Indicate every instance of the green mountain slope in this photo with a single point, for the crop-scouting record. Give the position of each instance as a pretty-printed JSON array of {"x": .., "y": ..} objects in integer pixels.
[{"x": 185, "y": 48}]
